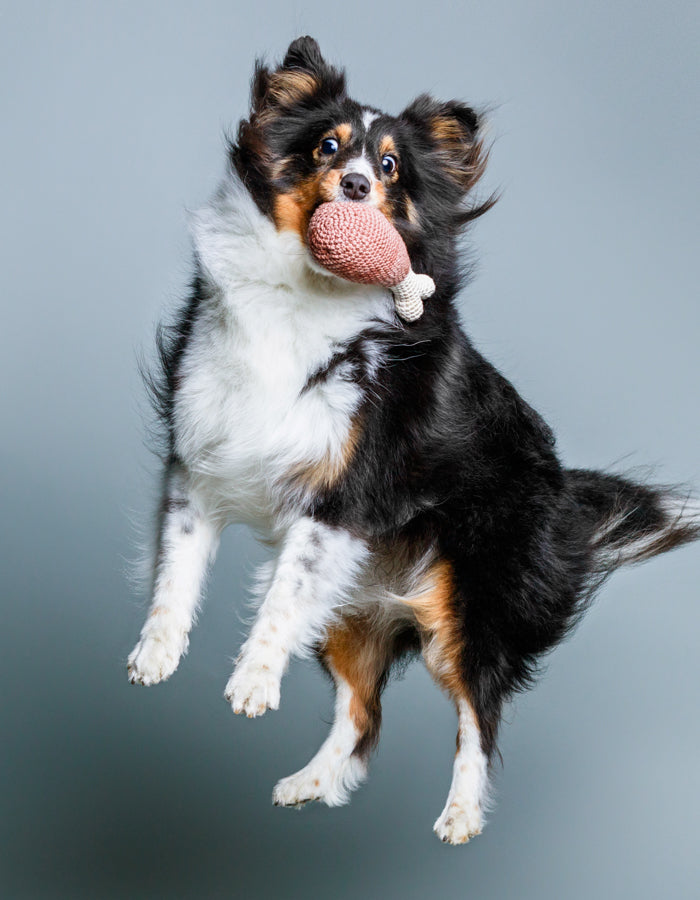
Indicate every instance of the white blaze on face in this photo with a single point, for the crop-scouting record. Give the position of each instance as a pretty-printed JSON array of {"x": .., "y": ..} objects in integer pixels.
[
  {"x": 361, "y": 165},
  {"x": 368, "y": 117}
]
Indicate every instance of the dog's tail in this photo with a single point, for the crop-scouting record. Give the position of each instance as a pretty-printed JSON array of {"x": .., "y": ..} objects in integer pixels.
[{"x": 627, "y": 522}]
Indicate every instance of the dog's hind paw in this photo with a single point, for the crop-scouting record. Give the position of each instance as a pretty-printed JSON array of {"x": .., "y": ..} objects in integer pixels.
[
  {"x": 326, "y": 778},
  {"x": 457, "y": 825},
  {"x": 296, "y": 791}
]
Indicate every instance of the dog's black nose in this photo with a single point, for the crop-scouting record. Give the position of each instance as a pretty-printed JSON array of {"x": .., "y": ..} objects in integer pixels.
[{"x": 355, "y": 186}]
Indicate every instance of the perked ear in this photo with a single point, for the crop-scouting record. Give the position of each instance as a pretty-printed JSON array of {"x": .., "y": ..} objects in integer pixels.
[
  {"x": 451, "y": 132},
  {"x": 302, "y": 76},
  {"x": 304, "y": 53},
  {"x": 301, "y": 80}
]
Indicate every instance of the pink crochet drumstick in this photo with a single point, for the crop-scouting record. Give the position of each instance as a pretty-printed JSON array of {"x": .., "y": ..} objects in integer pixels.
[{"x": 359, "y": 243}]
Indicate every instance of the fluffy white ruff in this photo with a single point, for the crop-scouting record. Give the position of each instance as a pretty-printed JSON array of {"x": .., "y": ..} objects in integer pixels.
[{"x": 242, "y": 419}]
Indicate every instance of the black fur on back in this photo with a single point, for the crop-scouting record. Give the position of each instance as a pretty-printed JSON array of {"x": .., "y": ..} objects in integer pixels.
[{"x": 452, "y": 457}]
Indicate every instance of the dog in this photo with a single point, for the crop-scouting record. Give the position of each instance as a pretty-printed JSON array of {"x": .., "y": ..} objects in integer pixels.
[{"x": 414, "y": 500}]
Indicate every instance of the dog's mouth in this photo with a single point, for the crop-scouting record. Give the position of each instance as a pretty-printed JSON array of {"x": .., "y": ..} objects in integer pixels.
[{"x": 293, "y": 208}]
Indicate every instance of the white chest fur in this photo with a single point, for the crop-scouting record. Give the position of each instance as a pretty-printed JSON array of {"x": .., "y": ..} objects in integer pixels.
[{"x": 241, "y": 415}]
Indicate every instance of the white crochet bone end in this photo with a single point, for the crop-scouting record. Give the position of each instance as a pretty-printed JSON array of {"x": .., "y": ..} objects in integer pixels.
[{"x": 410, "y": 293}]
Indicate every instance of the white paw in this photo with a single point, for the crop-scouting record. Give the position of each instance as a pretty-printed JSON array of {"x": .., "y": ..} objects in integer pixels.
[
  {"x": 252, "y": 689},
  {"x": 318, "y": 781},
  {"x": 297, "y": 789},
  {"x": 459, "y": 823},
  {"x": 155, "y": 658}
]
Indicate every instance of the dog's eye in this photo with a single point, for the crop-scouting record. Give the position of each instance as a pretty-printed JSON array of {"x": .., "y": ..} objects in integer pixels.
[
  {"x": 329, "y": 146},
  {"x": 388, "y": 164}
]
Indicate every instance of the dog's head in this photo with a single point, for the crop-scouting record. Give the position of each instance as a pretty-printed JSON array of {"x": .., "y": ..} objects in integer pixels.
[{"x": 306, "y": 142}]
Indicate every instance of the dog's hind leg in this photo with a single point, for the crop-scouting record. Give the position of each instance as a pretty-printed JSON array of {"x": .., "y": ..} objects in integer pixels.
[
  {"x": 463, "y": 817},
  {"x": 187, "y": 541},
  {"x": 435, "y": 608},
  {"x": 358, "y": 652}
]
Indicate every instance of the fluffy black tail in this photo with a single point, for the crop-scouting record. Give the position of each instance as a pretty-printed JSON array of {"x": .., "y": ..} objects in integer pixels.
[{"x": 629, "y": 522}]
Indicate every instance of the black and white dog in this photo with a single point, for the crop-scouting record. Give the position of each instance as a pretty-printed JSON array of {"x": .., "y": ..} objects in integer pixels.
[{"x": 415, "y": 501}]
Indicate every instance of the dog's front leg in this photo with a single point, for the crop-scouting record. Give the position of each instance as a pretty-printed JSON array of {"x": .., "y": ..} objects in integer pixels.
[
  {"x": 315, "y": 572},
  {"x": 187, "y": 541}
]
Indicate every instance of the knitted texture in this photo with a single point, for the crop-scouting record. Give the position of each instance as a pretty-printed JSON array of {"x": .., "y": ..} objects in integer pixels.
[
  {"x": 359, "y": 243},
  {"x": 410, "y": 293}
]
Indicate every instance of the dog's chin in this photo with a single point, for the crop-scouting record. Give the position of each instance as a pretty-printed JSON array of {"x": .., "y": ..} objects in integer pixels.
[{"x": 334, "y": 284}]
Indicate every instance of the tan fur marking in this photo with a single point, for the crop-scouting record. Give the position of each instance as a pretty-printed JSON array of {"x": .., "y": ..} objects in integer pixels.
[
  {"x": 288, "y": 214},
  {"x": 447, "y": 130},
  {"x": 463, "y": 159},
  {"x": 293, "y": 210},
  {"x": 344, "y": 132},
  {"x": 157, "y": 611},
  {"x": 325, "y": 473},
  {"x": 278, "y": 166},
  {"x": 411, "y": 211},
  {"x": 328, "y": 185},
  {"x": 289, "y": 86},
  {"x": 388, "y": 145},
  {"x": 359, "y": 714},
  {"x": 435, "y": 614},
  {"x": 357, "y": 656},
  {"x": 384, "y": 203}
]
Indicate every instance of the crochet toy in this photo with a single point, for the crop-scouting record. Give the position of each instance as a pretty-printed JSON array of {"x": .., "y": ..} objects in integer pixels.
[{"x": 358, "y": 243}]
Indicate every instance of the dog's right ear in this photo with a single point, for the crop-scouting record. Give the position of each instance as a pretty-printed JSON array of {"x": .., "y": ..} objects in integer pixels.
[
  {"x": 302, "y": 77},
  {"x": 301, "y": 80}
]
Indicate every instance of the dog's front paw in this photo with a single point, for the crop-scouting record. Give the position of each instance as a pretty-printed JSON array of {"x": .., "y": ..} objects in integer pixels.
[
  {"x": 155, "y": 658},
  {"x": 252, "y": 689},
  {"x": 458, "y": 824}
]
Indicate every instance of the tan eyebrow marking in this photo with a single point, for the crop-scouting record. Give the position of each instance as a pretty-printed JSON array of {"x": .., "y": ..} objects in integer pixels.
[
  {"x": 388, "y": 147},
  {"x": 344, "y": 132}
]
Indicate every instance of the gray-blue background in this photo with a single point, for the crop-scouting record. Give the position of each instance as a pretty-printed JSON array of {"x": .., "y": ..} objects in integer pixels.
[{"x": 111, "y": 116}]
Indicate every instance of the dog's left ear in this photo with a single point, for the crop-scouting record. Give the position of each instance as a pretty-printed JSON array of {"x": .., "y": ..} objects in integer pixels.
[{"x": 451, "y": 132}]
